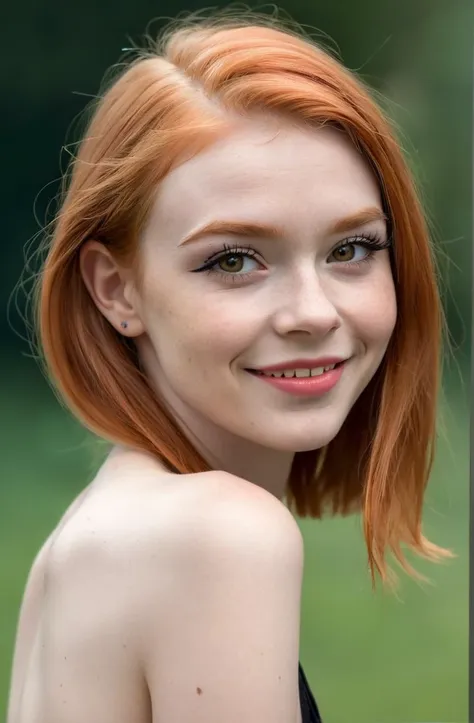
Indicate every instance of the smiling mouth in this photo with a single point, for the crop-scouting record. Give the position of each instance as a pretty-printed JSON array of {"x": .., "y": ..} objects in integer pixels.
[
  {"x": 296, "y": 373},
  {"x": 311, "y": 382}
]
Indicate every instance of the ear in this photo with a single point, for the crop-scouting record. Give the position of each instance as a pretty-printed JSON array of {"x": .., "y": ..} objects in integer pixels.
[{"x": 111, "y": 288}]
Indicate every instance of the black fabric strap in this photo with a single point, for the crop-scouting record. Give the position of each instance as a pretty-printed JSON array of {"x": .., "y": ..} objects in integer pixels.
[{"x": 309, "y": 709}]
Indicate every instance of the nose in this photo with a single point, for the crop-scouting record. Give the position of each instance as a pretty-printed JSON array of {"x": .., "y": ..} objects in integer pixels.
[{"x": 305, "y": 306}]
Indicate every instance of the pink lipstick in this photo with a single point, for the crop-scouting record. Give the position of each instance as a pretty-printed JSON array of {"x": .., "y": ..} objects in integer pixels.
[{"x": 303, "y": 377}]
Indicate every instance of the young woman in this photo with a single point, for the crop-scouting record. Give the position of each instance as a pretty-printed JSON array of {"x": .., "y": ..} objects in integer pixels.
[{"x": 240, "y": 295}]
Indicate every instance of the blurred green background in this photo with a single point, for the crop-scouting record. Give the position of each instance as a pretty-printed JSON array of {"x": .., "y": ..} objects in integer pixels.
[{"x": 370, "y": 658}]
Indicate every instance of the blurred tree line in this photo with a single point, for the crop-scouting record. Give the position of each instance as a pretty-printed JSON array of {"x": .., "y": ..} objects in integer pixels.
[{"x": 416, "y": 53}]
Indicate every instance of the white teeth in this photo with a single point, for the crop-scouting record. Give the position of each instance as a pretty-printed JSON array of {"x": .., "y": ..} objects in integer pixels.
[{"x": 290, "y": 373}]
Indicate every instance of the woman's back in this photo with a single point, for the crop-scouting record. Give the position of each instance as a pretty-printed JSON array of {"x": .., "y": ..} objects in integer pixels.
[
  {"x": 126, "y": 613},
  {"x": 36, "y": 681}
]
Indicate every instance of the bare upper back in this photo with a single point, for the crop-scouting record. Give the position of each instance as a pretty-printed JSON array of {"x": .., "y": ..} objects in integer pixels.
[{"x": 84, "y": 625}]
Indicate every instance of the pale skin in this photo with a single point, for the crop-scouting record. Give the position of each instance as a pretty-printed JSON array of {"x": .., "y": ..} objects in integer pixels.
[{"x": 176, "y": 599}]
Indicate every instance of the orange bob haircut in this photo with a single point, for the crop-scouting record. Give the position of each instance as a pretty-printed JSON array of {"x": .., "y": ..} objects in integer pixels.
[{"x": 168, "y": 103}]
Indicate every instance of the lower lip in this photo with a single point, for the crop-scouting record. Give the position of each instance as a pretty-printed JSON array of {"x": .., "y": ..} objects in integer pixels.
[{"x": 305, "y": 386}]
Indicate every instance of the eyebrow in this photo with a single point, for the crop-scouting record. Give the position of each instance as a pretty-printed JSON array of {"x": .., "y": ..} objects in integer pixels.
[{"x": 260, "y": 230}]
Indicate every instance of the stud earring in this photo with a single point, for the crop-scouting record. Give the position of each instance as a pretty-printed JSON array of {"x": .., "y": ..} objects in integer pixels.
[{"x": 124, "y": 324}]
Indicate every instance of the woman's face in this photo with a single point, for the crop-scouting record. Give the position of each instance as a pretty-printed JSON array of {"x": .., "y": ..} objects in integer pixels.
[{"x": 291, "y": 272}]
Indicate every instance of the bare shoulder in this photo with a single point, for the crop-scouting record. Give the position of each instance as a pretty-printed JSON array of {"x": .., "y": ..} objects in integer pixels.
[
  {"x": 187, "y": 587},
  {"x": 221, "y": 607},
  {"x": 146, "y": 521},
  {"x": 143, "y": 508},
  {"x": 218, "y": 506}
]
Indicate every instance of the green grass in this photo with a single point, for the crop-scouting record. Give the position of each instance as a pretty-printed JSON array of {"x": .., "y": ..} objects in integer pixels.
[{"x": 370, "y": 657}]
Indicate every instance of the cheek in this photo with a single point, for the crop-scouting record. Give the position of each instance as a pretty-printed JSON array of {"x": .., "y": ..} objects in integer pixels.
[
  {"x": 186, "y": 330},
  {"x": 373, "y": 310},
  {"x": 380, "y": 314}
]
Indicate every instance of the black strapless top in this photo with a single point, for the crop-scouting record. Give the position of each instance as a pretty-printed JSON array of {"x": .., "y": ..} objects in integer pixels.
[{"x": 309, "y": 709}]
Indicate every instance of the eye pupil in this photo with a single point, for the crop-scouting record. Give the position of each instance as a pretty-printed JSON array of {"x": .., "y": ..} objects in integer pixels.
[
  {"x": 233, "y": 263},
  {"x": 345, "y": 252}
]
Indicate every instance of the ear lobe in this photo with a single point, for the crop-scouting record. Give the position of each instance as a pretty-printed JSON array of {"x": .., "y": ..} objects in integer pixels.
[{"x": 108, "y": 285}]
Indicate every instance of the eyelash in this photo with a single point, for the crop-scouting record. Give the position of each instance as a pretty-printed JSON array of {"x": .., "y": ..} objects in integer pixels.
[{"x": 372, "y": 242}]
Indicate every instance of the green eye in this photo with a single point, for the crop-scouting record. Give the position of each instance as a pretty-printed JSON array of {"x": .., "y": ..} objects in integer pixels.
[
  {"x": 234, "y": 263},
  {"x": 345, "y": 252}
]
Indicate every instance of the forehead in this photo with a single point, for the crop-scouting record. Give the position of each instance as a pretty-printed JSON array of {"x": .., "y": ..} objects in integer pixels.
[{"x": 266, "y": 169}]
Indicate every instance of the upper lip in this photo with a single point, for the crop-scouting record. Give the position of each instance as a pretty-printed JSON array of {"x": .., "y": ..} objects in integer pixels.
[{"x": 301, "y": 364}]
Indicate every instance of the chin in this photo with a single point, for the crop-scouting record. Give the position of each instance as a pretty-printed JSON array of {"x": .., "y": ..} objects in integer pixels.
[
  {"x": 304, "y": 445},
  {"x": 298, "y": 440}
]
